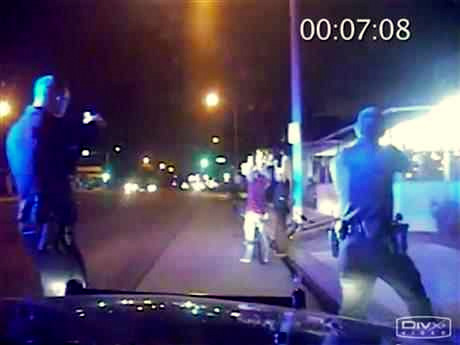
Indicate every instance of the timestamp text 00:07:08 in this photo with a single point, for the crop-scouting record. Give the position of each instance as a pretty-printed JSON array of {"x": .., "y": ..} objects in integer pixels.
[{"x": 348, "y": 29}]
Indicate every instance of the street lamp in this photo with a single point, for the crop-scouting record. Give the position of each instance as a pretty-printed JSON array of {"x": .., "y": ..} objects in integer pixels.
[
  {"x": 146, "y": 160},
  {"x": 215, "y": 139},
  {"x": 162, "y": 166},
  {"x": 212, "y": 99},
  {"x": 85, "y": 153},
  {"x": 117, "y": 148},
  {"x": 171, "y": 169},
  {"x": 5, "y": 108}
]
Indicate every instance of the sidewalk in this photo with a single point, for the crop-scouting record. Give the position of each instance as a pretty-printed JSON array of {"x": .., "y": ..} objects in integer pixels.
[{"x": 438, "y": 264}]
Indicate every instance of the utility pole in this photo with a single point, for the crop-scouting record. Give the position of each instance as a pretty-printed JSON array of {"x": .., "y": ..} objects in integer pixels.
[{"x": 296, "y": 110}]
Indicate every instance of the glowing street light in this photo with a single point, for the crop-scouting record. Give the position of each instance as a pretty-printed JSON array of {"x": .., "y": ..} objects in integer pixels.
[
  {"x": 85, "y": 153},
  {"x": 171, "y": 169},
  {"x": 162, "y": 166},
  {"x": 146, "y": 160},
  {"x": 215, "y": 139},
  {"x": 117, "y": 148},
  {"x": 5, "y": 108},
  {"x": 211, "y": 100},
  {"x": 204, "y": 163}
]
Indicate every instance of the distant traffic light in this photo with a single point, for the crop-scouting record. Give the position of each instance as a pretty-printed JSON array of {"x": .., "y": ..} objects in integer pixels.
[
  {"x": 221, "y": 160},
  {"x": 204, "y": 163}
]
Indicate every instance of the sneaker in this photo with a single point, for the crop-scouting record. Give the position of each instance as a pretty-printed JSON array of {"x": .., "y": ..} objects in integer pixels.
[{"x": 248, "y": 253}]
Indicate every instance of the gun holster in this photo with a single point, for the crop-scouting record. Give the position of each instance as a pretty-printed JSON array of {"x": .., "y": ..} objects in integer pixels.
[{"x": 336, "y": 235}]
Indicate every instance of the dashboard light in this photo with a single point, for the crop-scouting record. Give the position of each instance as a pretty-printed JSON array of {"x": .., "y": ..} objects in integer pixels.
[
  {"x": 235, "y": 314},
  {"x": 188, "y": 304}
]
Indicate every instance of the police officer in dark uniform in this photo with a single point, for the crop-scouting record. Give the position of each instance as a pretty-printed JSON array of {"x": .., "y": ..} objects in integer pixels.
[
  {"x": 281, "y": 203},
  {"x": 43, "y": 149},
  {"x": 363, "y": 176}
]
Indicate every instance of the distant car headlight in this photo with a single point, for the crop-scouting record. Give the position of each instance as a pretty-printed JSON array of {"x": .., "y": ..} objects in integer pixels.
[
  {"x": 184, "y": 186},
  {"x": 198, "y": 186},
  {"x": 152, "y": 188},
  {"x": 131, "y": 187}
]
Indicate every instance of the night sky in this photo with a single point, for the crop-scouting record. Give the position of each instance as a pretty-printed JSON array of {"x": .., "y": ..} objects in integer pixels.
[{"x": 145, "y": 65}]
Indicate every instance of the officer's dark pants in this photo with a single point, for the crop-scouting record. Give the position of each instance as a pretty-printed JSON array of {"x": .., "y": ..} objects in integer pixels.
[
  {"x": 362, "y": 261},
  {"x": 50, "y": 219},
  {"x": 280, "y": 235}
]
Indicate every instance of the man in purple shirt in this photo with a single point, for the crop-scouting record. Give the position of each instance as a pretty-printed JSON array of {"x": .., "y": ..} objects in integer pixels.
[{"x": 258, "y": 180}]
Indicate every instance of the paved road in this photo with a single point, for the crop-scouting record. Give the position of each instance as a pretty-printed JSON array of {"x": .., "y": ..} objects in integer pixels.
[{"x": 163, "y": 242}]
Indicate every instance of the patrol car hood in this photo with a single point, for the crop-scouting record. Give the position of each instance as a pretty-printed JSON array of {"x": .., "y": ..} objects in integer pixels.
[{"x": 173, "y": 319}]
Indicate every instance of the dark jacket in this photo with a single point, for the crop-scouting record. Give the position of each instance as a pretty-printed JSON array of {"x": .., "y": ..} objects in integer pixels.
[
  {"x": 43, "y": 151},
  {"x": 281, "y": 196}
]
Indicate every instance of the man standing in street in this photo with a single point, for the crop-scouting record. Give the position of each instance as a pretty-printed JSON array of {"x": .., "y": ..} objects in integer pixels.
[
  {"x": 258, "y": 180},
  {"x": 363, "y": 176},
  {"x": 43, "y": 150}
]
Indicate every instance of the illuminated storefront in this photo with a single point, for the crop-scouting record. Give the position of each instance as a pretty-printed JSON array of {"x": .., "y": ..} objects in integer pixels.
[{"x": 429, "y": 194}]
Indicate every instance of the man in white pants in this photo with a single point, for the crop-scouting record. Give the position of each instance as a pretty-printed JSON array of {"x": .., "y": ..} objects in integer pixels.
[{"x": 256, "y": 208}]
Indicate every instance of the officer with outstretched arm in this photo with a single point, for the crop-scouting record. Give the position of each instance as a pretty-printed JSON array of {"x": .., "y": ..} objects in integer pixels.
[
  {"x": 43, "y": 149},
  {"x": 363, "y": 177}
]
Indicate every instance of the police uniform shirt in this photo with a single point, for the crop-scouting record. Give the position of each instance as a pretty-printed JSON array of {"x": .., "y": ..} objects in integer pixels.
[{"x": 363, "y": 177}]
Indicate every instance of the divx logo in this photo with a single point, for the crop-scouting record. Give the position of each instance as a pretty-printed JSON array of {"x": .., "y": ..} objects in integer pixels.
[{"x": 423, "y": 327}]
